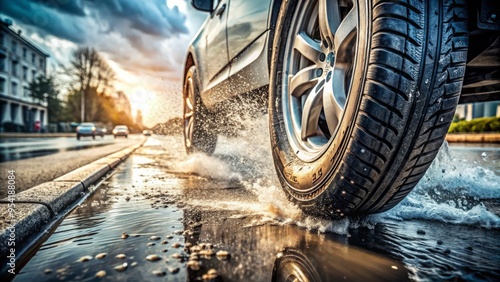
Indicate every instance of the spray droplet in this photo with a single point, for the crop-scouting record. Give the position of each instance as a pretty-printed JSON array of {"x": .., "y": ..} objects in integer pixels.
[{"x": 484, "y": 156}]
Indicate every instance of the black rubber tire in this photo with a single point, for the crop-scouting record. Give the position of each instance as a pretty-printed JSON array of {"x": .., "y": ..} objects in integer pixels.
[
  {"x": 293, "y": 265},
  {"x": 396, "y": 118},
  {"x": 204, "y": 134}
]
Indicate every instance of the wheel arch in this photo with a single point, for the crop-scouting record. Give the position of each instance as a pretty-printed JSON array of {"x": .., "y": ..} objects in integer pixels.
[
  {"x": 188, "y": 64},
  {"x": 273, "y": 19}
]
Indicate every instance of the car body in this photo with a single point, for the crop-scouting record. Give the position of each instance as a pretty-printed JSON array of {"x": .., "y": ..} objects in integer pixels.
[
  {"x": 147, "y": 132},
  {"x": 86, "y": 129},
  {"x": 120, "y": 130},
  {"x": 359, "y": 98},
  {"x": 246, "y": 28}
]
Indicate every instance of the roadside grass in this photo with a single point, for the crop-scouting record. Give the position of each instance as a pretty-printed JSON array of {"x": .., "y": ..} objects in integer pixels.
[{"x": 478, "y": 125}]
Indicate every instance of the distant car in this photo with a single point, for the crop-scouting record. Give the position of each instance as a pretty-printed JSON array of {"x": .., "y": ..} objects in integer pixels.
[
  {"x": 147, "y": 132},
  {"x": 86, "y": 129},
  {"x": 100, "y": 130},
  {"x": 120, "y": 130}
]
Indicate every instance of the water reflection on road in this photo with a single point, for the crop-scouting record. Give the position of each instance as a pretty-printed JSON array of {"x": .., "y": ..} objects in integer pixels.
[
  {"x": 12, "y": 149},
  {"x": 231, "y": 202}
]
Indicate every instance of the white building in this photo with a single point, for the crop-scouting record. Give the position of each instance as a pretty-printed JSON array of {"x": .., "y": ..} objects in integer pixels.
[
  {"x": 20, "y": 63},
  {"x": 478, "y": 110}
]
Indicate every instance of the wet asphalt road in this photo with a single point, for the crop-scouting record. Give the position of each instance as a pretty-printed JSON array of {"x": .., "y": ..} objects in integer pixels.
[
  {"x": 173, "y": 206},
  {"x": 69, "y": 154},
  {"x": 12, "y": 149}
]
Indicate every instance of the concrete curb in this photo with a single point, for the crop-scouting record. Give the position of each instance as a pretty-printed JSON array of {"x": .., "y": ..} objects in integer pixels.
[
  {"x": 36, "y": 208},
  {"x": 474, "y": 138}
]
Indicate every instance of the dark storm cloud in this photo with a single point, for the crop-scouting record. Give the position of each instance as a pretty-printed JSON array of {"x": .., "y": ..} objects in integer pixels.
[
  {"x": 70, "y": 7},
  {"x": 45, "y": 19},
  {"x": 76, "y": 20},
  {"x": 150, "y": 17}
]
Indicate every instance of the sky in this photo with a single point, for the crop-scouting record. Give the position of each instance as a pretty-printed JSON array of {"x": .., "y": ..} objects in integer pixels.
[{"x": 145, "y": 42}]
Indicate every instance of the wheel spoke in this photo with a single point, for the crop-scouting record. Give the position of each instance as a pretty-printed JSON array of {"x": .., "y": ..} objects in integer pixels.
[
  {"x": 303, "y": 80},
  {"x": 312, "y": 110},
  {"x": 188, "y": 108},
  {"x": 189, "y": 104},
  {"x": 188, "y": 114},
  {"x": 329, "y": 19},
  {"x": 308, "y": 47},
  {"x": 347, "y": 26},
  {"x": 334, "y": 100},
  {"x": 189, "y": 131}
]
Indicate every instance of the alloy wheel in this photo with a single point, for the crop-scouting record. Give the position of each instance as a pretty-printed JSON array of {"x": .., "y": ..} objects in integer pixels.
[
  {"x": 319, "y": 58},
  {"x": 189, "y": 111}
]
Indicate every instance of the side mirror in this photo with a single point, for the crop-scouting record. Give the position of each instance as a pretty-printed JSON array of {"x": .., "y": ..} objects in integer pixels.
[{"x": 203, "y": 5}]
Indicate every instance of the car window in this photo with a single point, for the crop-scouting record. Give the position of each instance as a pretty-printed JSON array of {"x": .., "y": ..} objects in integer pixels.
[{"x": 215, "y": 4}]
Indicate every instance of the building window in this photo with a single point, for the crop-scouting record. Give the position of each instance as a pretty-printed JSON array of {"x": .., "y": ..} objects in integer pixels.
[
  {"x": 26, "y": 91},
  {"x": 41, "y": 63},
  {"x": 33, "y": 57},
  {"x": 2, "y": 85},
  {"x": 14, "y": 46},
  {"x": 14, "y": 68},
  {"x": 14, "y": 88},
  {"x": 2, "y": 63},
  {"x": 25, "y": 73},
  {"x": 25, "y": 53},
  {"x": 2, "y": 39}
]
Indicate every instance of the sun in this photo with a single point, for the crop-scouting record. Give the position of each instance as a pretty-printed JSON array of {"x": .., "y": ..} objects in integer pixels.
[{"x": 141, "y": 100}]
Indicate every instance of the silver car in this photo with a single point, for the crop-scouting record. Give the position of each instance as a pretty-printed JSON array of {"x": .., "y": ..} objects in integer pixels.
[
  {"x": 86, "y": 129},
  {"x": 120, "y": 130},
  {"x": 360, "y": 93}
]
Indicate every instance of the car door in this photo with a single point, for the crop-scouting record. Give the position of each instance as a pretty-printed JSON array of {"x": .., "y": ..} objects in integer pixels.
[
  {"x": 216, "y": 43},
  {"x": 247, "y": 21}
]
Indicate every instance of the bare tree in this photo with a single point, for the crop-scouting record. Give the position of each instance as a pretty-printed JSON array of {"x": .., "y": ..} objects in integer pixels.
[{"x": 90, "y": 77}]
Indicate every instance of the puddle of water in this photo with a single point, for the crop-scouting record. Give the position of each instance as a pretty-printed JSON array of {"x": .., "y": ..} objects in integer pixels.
[{"x": 128, "y": 204}]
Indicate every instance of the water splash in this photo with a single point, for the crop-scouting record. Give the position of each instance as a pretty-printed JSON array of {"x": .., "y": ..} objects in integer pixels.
[
  {"x": 208, "y": 166},
  {"x": 452, "y": 191}
]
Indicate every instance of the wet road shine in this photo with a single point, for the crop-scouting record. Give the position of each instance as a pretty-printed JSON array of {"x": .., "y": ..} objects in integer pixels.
[{"x": 164, "y": 216}]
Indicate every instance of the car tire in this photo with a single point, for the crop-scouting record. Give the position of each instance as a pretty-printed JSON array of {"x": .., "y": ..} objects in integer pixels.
[
  {"x": 358, "y": 114},
  {"x": 198, "y": 123}
]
